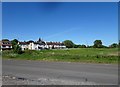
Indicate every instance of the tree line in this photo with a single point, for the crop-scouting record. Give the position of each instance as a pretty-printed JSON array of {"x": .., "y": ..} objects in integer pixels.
[
  {"x": 96, "y": 44},
  {"x": 68, "y": 43}
]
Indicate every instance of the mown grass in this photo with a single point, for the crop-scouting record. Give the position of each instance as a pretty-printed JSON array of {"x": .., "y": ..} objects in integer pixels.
[{"x": 87, "y": 55}]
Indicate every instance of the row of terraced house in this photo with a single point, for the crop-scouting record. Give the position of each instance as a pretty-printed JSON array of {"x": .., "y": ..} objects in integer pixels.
[{"x": 32, "y": 45}]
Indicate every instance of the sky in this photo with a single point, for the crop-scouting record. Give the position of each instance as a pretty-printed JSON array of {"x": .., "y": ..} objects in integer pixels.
[{"x": 81, "y": 22}]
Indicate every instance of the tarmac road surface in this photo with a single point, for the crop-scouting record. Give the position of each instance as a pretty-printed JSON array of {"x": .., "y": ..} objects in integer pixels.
[{"x": 66, "y": 73}]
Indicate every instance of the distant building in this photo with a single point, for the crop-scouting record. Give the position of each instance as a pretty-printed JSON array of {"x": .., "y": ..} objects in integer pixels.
[
  {"x": 55, "y": 45},
  {"x": 32, "y": 45},
  {"x": 40, "y": 44},
  {"x": 5, "y": 45},
  {"x": 23, "y": 45}
]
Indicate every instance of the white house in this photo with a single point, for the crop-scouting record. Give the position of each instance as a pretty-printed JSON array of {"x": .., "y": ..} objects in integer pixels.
[
  {"x": 55, "y": 45},
  {"x": 24, "y": 45},
  {"x": 40, "y": 44},
  {"x": 5, "y": 45},
  {"x": 33, "y": 45}
]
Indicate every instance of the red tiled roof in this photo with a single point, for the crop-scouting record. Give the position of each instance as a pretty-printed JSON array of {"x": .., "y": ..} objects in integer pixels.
[
  {"x": 6, "y": 44},
  {"x": 23, "y": 43},
  {"x": 54, "y": 43}
]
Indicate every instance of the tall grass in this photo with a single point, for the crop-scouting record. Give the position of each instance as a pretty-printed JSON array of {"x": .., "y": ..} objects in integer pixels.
[{"x": 91, "y": 55}]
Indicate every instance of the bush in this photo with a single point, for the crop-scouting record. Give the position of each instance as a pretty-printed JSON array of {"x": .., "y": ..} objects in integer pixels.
[{"x": 17, "y": 49}]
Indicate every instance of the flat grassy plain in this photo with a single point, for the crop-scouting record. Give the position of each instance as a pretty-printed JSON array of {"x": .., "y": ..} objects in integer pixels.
[{"x": 86, "y": 55}]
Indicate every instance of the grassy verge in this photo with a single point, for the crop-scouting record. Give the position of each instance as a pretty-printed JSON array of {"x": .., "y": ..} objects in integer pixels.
[{"x": 87, "y": 55}]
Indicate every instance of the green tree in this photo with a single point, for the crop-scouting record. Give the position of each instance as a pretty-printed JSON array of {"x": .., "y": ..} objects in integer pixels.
[
  {"x": 76, "y": 46},
  {"x": 83, "y": 46},
  {"x": 103, "y": 46},
  {"x": 97, "y": 44},
  {"x": 17, "y": 49},
  {"x": 114, "y": 45},
  {"x": 89, "y": 46},
  {"x": 68, "y": 43},
  {"x": 14, "y": 43}
]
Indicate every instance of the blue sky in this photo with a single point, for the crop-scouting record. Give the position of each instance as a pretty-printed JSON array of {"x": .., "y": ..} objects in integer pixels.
[{"x": 80, "y": 22}]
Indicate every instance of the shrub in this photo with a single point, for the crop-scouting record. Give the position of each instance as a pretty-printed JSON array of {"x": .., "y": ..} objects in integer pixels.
[{"x": 17, "y": 49}]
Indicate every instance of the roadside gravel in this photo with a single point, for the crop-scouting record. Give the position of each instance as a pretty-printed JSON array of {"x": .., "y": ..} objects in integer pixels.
[{"x": 13, "y": 80}]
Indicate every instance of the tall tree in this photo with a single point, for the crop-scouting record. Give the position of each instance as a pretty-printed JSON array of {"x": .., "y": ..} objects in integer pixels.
[
  {"x": 14, "y": 43},
  {"x": 16, "y": 47},
  {"x": 68, "y": 43},
  {"x": 97, "y": 44}
]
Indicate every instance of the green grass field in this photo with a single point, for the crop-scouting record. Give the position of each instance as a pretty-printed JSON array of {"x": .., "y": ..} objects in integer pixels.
[{"x": 87, "y": 55}]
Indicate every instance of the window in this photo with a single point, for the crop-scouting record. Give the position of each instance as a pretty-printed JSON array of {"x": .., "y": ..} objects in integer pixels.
[{"x": 3, "y": 46}]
